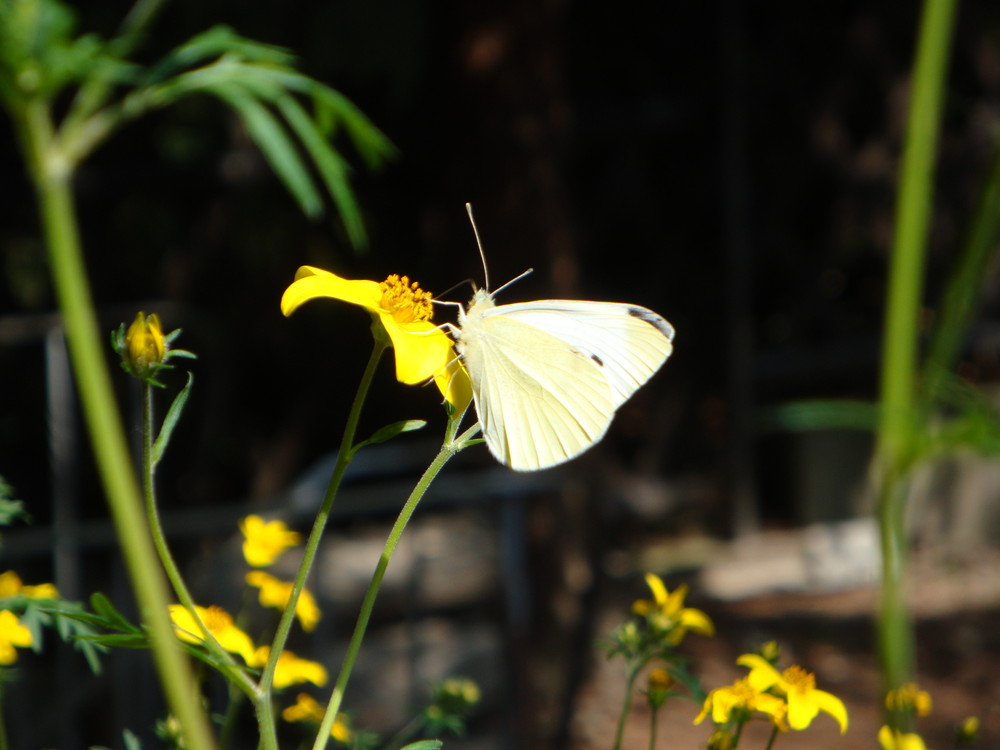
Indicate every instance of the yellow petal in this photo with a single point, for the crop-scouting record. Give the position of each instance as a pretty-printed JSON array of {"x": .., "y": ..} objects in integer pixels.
[
  {"x": 311, "y": 283},
  {"x": 655, "y": 584},
  {"x": 801, "y": 710},
  {"x": 831, "y": 704},
  {"x": 762, "y": 674},
  {"x": 696, "y": 620},
  {"x": 455, "y": 385},
  {"x": 422, "y": 351}
]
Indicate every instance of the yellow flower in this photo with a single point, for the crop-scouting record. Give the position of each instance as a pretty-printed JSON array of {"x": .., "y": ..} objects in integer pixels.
[
  {"x": 909, "y": 697},
  {"x": 741, "y": 697},
  {"x": 666, "y": 611},
  {"x": 275, "y": 593},
  {"x": 264, "y": 541},
  {"x": 890, "y": 739},
  {"x": 218, "y": 622},
  {"x": 12, "y": 633},
  {"x": 11, "y": 585},
  {"x": 307, "y": 709},
  {"x": 423, "y": 351},
  {"x": 290, "y": 669},
  {"x": 799, "y": 688},
  {"x": 145, "y": 344}
]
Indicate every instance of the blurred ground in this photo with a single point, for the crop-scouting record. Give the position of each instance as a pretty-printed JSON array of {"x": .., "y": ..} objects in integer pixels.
[{"x": 958, "y": 658}]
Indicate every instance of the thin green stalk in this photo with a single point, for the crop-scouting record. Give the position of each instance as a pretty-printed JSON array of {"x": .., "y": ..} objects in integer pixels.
[
  {"x": 262, "y": 703},
  {"x": 965, "y": 285},
  {"x": 3, "y": 724},
  {"x": 654, "y": 717},
  {"x": 233, "y": 672},
  {"x": 448, "y": 449},
  {"x": 52, "y": 180},
  {"x": 898, "y": 420},
  {"x": 772, "y": 738},
  {"x": 627, "y": 702}
]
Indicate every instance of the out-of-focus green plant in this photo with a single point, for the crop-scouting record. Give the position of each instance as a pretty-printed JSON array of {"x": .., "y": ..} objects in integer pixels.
[
  {"x": 66, "y": 94},
  {"x": 925, "y": 411}
]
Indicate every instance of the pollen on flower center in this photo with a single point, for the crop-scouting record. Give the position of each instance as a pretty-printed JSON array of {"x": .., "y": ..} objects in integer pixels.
[
  {"x": 216, "y": 618},
  {"x": 799, "y": 678},
  {"x": 405, "y": 300}
]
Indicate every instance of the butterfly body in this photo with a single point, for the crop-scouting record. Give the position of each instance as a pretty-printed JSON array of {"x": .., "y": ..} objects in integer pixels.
[{"x": 547, "y": 376}]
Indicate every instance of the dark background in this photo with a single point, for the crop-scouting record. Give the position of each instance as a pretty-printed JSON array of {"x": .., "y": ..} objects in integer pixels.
[{"x": 730, "y": 165}]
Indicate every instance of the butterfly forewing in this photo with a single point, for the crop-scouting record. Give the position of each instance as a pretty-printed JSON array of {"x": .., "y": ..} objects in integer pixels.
[{"x": 629, "y": 342}]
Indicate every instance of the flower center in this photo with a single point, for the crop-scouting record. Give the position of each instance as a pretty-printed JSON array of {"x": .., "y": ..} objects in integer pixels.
[
  {"x": 216, "y": 619},
  {"x": 405, "y": 300},
  {"x": 799, "y": 679}
]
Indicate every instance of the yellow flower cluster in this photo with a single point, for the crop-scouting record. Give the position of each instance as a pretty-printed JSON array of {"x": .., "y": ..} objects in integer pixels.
[
  {"x": 307, "y": 709},
  {"x": 290, "y": 669},
  {"x": 13, "y": 633},
  {"x": 265, "y": 541},
  {"x": 666, "y": 614},
  {"x": 275, "y": 593},
  {"x": 789, "y": 699}
]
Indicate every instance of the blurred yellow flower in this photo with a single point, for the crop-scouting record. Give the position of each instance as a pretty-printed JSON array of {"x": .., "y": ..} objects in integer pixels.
[
  {"x": 909, "y": 697},
  {"x": 666, "y": 611},
  {"x": 12, "y": 633},
  {"x": 799, "y": 688},
  {"x": 275, "y": 593},
  {"x": 218, "y": 622},
  {"x": 265, "y": 541},
  {"x": 890, "y": 739},
  {"x": 743, "y": 697},
  {"x": 307, "y": 709},
  {"x": 11, "y": 585},
  {"x": 290, "y": 669},
  {"x": 423, "y": 351}
]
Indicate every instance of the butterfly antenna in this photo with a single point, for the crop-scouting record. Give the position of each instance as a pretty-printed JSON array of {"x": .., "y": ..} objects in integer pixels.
[{"x": 475, "y": 230}]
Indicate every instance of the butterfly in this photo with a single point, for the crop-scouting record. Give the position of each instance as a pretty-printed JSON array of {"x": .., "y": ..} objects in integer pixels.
[{"x": 548, "y": 376}]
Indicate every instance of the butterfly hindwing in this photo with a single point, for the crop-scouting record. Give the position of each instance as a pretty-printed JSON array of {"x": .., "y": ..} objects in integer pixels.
[{"x": 547, "y": 376}]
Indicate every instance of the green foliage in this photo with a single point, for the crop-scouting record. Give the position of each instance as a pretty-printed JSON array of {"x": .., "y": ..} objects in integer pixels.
[
  {"x": 387, "y": 433},
  {"x": 40, "y": 58},
  {"x": 10, "y": 509}
]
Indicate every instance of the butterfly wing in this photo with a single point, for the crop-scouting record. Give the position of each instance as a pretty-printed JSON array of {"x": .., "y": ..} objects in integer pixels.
[
  {"x": 539, "y": 402},
  {"x": 628, "y": 342},
  {"x": 547, "y": 376}
]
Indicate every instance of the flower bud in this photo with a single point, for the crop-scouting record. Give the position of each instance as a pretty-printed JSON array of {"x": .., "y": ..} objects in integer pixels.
[{"x": 145, "y": 345}]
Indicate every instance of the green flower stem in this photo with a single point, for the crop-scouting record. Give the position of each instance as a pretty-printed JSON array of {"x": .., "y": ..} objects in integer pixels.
[
  {"x": 262, "y": 703},
  {"x": 965, "y": 285},
  {"x": 450, "y": 448},
  {"x": 654, "y": 717},
  {"x": 3, "y": 724},
  {"x": 234, "y": 673},
  {"x": 772, "y": 738},
  {"x": 52, "y": 180},
  {"x": 627, "y": 702},
  {"x": 898, "y": 428}
]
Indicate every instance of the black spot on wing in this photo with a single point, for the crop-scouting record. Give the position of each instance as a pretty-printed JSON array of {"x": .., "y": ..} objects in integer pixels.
[
  {"x": 597, "y": 359},
  {"x": 653, "y": 319}
]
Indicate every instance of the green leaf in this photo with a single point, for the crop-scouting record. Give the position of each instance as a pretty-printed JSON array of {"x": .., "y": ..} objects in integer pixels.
[
  {"x": 800, "y": 416},
  {"x": 390, "y": 431},
  {"x": 423, "y": 745},
  {"x": 265, "y": 130},
  {"x": 332, "y": 168},
  {"x": 102, "y": 606},
  {"x": 170, "y": 421}
]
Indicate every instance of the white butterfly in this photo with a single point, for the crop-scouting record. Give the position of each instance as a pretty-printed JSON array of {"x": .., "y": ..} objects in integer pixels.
[{"x": 548, "y": 376}]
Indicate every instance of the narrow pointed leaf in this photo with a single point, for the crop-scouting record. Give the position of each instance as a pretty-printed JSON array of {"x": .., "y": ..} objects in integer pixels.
[{"x": 170, "y": 421}]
